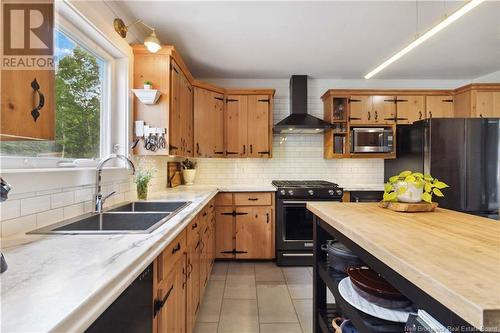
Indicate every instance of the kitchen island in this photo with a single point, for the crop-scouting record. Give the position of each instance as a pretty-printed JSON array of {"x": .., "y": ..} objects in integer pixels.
[{"x": 447, "y": 263}]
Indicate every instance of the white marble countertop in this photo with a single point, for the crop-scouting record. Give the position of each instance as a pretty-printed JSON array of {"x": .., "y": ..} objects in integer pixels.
[
  {"x": 235, "y": 188},
  {"x": 62, "y": 283}
]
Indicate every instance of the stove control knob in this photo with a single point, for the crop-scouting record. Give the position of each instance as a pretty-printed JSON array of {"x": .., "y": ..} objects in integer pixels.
[
  {"x": 290, "y": 192},
  {"x": 282, "y": 192},
  {"x": 331, "y": 192},
  {"x": 339, "y": 192},
  {"x": 311, "y": 192}
]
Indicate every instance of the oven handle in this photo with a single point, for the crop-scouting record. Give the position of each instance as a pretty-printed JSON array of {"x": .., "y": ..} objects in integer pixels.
[
  {"x": 298, "y": 254},
  {"x": 294, "y": 202}
]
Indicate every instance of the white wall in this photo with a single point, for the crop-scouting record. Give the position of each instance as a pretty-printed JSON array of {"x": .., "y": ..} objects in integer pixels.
[
  {"x": 489, "y": 78},
  {"x": 301, "y": 156}
]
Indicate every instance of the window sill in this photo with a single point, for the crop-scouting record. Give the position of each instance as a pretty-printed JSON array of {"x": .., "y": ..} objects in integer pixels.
[{"x": 62, "y": 169}]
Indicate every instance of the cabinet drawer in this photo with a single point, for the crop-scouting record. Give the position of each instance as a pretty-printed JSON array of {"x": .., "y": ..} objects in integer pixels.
[
  {"x": 253, "y": 199},
  {"x": 169, "y": 257},
  {"x": 224, "y": 199}
]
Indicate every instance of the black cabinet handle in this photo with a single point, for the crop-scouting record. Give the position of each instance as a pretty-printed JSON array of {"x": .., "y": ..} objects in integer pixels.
[
  {"x": 253, "y": 199},
  {"x": 219, "y": 98},
  {"x": 267, "y": 217},
  {"x": 376, "y": 115},
  {"x": 35, "y": 113},
  {"x": 244, "y": 149},
  {"x": 234, "y": 213},
  {"x": 231, "y": 100},
  {"x": 158, "y": 305},
  {"x": 419, "y": 115},
  {"x": 251, "y": 149},
  {"x": 218, "y": 152},
  {"x": 194, "y": 226},
  {"x": 353, "y": 100},
  {"x": 197, "y": 148},
  {"x": 232, "y": 153},
  {"x": 430, "y": 114},
  {"x": 171, "y": 147},
  {"x": 205, "y": 214},
  {"x": 354, "y": 118},
  {"x": 267, "y": 152},
  {"x": 176, "y": 248},
  {"x": 264, "y": 100},
  {"x": 447, "y": 100},
  {"x": 369, "y": 115}
]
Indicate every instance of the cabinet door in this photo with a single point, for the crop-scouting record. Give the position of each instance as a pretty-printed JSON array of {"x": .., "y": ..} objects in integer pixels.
[
  {"x": 193, "y": 284},
  {"x": 360, "y": 109},
  {"x": 410, "y": 109},
  {"x": 254, "y": 232},
  {"x": 224, "y": 241},
  {"x": 236, "y": 126},
  {"x": 439, "y": 106},
  {"x": 487, "y": 104},
  {"x": 208, "y": 123},
  {"x": 187, "y": 118},
  {"x": 204, "y": 260},
  {"x": 17, "y": 101},
  {"x": 175, "y": 127},
  {"x": 384, "y": 110},
  {"x": 259, "y": 126},
  {"x": 171, "y": 300}
]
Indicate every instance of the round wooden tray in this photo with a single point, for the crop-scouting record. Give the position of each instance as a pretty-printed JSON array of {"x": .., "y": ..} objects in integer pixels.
[{"x": 409, "y": 207}]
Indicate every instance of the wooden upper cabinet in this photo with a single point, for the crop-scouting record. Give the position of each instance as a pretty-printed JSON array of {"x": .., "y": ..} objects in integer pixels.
[
  {"x": 439, "y": 106},
  {"x": 360, "y": 109},
  {"x": 186, "y": 108},
  {"x": 176, "y": 92},
  {"x": 259, "y": 136},
  {"x": 18, "y": 99},
  {"x": 254, "y": 233},
  {"x": 208, "y": 123},
  {"x": 410, "y": 109},
  {"x": 236, "y": 126},
  {"x": 487, "y": 104},
  {"x": 383, "y": 110}
]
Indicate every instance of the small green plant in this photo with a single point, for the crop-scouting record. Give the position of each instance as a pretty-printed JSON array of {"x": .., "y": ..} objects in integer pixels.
[
  {"x": 396, "y": 185},
  {"x": 142, "y": 178},
  {"x": 188, "y": 164},
  {"x": 147, "y": 82}
]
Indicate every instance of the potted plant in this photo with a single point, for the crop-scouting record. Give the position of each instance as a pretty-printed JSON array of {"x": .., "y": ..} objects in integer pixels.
[
  {"x": 142, "y": 178},
  {"x": 413, "y": 187},
  {"x": 148, "y": 85},
  {"x": 188, "y": 171}
]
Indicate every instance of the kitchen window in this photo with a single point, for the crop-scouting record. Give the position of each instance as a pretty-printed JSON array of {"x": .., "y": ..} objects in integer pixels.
[{"x": 80, "y": 82}]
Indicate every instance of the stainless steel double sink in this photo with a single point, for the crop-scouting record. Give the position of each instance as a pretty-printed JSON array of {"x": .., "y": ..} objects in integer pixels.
[{"x": 139, "y": 217}]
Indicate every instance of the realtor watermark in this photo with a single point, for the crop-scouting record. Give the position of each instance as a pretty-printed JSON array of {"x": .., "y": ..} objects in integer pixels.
[{"x": 28, "y": 35}]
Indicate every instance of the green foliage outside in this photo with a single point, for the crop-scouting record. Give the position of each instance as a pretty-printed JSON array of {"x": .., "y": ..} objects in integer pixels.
[{"x": 78, "y": 94}]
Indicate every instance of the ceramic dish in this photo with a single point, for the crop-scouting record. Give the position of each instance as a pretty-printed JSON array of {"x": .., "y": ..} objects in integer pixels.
[
  {"x": 350, "y": 295},
  {"x": 369, "y": 281}
]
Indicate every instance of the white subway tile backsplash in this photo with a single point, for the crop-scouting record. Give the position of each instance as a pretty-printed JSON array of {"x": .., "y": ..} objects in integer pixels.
[
  {"x": 74, "y": 210},
  {"x": 62, "y": 199},
  {"x": 35, "y": 204},
  {"x": 20, "y": 224},
  {"x": 10, "y": 209},
  {"x": 83, "y": 194}
]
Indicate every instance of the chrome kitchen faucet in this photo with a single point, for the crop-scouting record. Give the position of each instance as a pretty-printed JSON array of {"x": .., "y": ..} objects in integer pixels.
[{"x": 99, "y": 199}]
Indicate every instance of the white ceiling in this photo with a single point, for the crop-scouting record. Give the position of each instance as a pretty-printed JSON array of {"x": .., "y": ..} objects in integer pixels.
[{"x": 343, "y": 40}]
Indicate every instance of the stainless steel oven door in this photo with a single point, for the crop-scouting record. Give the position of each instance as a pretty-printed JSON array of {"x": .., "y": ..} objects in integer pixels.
[{"x": 371, "y": 140}]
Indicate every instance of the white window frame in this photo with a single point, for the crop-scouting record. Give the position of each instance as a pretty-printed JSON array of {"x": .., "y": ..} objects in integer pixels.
[{"x": 78, "y": 28}]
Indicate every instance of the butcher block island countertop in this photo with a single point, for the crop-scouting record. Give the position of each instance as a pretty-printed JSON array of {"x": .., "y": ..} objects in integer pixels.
[{"x": 453, "y": 257}]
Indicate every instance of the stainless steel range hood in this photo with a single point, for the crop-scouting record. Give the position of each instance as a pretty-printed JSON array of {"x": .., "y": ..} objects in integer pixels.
[{"x": 299, "y": 121}]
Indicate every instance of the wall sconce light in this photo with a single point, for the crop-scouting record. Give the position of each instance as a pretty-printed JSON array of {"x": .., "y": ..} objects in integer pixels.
[{"x": 151, "y": 42}]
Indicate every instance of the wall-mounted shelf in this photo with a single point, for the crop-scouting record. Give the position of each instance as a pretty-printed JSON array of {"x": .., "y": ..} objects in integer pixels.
[{"x": 147, "y": 96}]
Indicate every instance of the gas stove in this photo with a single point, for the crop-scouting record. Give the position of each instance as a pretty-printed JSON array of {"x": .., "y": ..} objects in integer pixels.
[{"x": 303, "y": 189}]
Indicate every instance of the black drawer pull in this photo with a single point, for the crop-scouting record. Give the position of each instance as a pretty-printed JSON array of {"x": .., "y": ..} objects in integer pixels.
[
  {"x": 194, "y": 226},
  {"x": 232, "y": 153},
  {"x": 177, "y": 248},
  {"x": 160, "y": 303},
  {"x": 253, "y": 199},
  {"x": 204, "y": 213},
  {"x": 267, "y": 152},
  {"x": 219, "y": 98},
  {"x": 267, "y": 217},
  {"x": 218, "y": 152},
  {"x": 234, "y": 213}
]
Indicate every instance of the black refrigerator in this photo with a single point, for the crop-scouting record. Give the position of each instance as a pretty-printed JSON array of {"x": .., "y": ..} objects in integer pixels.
[{"x": 463, "y": 152}]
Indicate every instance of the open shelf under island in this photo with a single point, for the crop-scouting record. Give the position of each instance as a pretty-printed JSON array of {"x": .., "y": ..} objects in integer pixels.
[{"x": 447, "y": 263}]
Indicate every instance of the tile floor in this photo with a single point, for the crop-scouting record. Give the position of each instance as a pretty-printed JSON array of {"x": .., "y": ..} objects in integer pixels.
[{"x": 257, "y": 297}]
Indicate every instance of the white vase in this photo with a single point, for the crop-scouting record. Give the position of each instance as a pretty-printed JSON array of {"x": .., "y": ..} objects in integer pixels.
[
  {"x": 188, "y": 175},
  {"x": 412, "y": 194},
  {"x": 148, "y": 86}
]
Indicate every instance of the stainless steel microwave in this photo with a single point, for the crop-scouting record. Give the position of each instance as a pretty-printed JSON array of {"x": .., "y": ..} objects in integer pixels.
[{"x": 371, "y": 140}]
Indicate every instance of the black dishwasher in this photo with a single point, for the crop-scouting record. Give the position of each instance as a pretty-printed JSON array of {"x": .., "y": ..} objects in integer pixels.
[
  {"x": 366, "y": 196},
  {"x": 132, "y": 311}
]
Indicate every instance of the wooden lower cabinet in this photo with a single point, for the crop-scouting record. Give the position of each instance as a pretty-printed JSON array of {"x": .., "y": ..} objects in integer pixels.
[
  {"x": 178, "y": 292},
  {"x": 254, "y": 233},
  {"x": 243, "y": 230},
  {"x": 171, "y": 297}
]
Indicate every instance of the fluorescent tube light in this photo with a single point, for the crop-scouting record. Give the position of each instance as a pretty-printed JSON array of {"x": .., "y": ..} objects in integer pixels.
[{"x": 440, "y": 26}]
